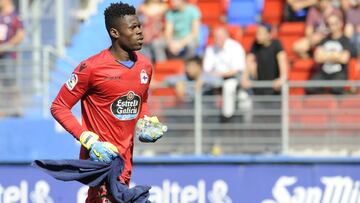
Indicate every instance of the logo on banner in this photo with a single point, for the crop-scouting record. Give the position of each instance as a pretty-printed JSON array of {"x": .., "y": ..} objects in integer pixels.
[
  {"x": 144, "y": 78},
  {"x": 21, "y": 192},
  {"x": 173, "y": 192},
  {"x": 336, "y": 189}
]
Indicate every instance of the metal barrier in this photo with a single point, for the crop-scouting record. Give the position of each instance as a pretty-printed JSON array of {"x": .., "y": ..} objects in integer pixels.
[
  {"x": 25, "y": 79},
  {"x": 270, "y": 124}
]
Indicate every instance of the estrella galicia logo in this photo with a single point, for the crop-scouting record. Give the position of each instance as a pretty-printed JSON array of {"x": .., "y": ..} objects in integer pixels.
[{"x": 126, "y": 107}]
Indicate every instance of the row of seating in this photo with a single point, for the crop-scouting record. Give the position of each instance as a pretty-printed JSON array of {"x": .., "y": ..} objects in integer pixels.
[
  {"x": 325, "y": 110},
  {"x": 240, "y": 12}
]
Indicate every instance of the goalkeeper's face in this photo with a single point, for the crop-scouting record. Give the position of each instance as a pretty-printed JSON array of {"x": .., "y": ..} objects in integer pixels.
[{"x": 128, "y": 33}]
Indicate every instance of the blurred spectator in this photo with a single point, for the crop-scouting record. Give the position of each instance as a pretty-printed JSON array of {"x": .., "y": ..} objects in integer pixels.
[
  {"x": 352, "y": 28},
  {"x": 296, "y": 10},
  {"x": 315, "y": 29},
  {"x": 267, "y": 61},
  {"x": 11, "y": 34},
  {"x": 194, "y": 79},
  {"x": 182, "y": 29},
  {"x": 225, "y": 59},
  {"x": 333, "y": 54},
  {"x": 153, "y": 17}
]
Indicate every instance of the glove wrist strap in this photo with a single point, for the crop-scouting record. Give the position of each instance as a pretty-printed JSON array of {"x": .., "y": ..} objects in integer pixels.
[{"x": 87, "y": 138}]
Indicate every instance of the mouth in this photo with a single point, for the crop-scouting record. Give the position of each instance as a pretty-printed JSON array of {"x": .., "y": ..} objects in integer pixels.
[{"x": 140, "y": 40}]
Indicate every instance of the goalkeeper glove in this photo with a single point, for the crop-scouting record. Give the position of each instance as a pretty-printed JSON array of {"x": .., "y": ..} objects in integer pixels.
[
  {"x": 149, "y": 129},
  {"x": 98, "y": 151}
]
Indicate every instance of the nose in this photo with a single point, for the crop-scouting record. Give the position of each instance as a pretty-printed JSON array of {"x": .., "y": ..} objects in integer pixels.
[{"x": 139, "y": 31}]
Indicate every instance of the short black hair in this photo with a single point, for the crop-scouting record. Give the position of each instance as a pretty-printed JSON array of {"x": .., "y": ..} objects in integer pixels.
[
  {"x": 267, "y": 26},
  {"x": 195, "y": 59},
  {"x": 117, "y": 10}
]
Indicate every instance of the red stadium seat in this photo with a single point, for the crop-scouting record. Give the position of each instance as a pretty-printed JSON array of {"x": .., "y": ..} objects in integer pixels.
[
  {"x": 288, "y": 34},
  {"x": 249, "y": 37},
  {"x": 211, "y": 11},
  {"x": 298, "y": 75},
  {"x": 353, "y": 69},
  {"x": 317, "y": 113},
  {"x": 272, "y": 12},
  {"x": 295, "y": 106},
  {"x": 347, "y": 116},
  {"x": 167, "y": 68},
  {"x": 318, "y": 109},
  {"x": 235, "y": 32},
  {"x": 303, "y": 65}
]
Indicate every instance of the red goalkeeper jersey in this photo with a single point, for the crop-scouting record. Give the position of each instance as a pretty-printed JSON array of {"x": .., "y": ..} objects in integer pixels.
[{"x": 113, "y": 97}]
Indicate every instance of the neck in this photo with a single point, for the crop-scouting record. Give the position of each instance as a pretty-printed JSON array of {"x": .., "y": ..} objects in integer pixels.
[
  {"x": 336, "y": 35},
  {"x": 267, "y": 43},
  {"x": 118, "y": 53}
]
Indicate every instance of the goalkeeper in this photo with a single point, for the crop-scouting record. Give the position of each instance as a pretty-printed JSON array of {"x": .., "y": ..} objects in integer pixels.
[{"x": 113, "y": 88}]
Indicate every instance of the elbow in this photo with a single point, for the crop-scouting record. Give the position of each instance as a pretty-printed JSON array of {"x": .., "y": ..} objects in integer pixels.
[{"x": 53, "y": 109}]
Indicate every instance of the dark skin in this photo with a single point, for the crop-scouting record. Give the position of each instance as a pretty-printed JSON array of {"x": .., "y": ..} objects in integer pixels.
[{"x": 126, "y": 38}]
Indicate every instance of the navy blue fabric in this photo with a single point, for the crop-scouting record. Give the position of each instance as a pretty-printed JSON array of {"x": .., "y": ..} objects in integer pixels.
[{"x": 94, "y": 174}]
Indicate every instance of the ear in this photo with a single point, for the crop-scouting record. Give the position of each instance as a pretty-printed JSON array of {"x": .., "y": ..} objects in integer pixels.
[{"x": 114, "y": 33}]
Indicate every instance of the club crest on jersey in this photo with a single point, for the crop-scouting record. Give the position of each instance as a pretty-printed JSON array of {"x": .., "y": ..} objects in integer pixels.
[
  {"x": 144, "y": 78},
  {"x": 72, "y": 81},
  {"x": 126, "y": 107}
]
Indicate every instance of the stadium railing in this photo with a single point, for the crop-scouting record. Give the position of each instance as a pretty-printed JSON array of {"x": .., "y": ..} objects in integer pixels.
[{"x": 289, "y": 124}]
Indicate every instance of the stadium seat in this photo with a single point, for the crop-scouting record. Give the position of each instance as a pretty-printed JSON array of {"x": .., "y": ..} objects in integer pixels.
[
  {"x": 353, "y": 69},
  {"x": 298, "y": 75},
  {"x": 249, "y": 37},
  {"x": 235, "y": 32},
  {"x": 212, "y": 11},
  {"x": 295, "y": 106},
  {"x": 166, "y": 68},
  {"x": 242, "y": 12},
  {"x": 317, "y": 114},
  {"x": 348, "y": 116},
  {"x": 288, "y": 34},
  {"x": 319, "y": 109},
  {"x": 303, "y": 65},
  {"x": 272, "y": 11}
]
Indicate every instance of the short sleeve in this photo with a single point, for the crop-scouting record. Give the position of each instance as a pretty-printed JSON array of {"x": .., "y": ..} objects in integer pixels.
[
  {"x": 169, "y": 16},
  {"x": 253, "y": 48},
  {"x": 278, "y": 46},
  {"x": 195, "y": 13},
  {"x": 346, "y": 44}
]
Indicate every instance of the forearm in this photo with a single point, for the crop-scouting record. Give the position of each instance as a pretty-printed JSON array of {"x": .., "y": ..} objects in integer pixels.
[
  {"x": 61, "y": 111},
  {"x": 17, "y": 39},
  {"x": 229, "y": 74},
  {"x": 332, "y": 57}
]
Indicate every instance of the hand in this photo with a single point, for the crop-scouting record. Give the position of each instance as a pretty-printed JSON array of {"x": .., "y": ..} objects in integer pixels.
[
  {"x": 246, "y": 84},
  {"x": 149, "y": 129},
  {"x": 98, "y": 151},
  {"x": 277, "y": 83},
  {"x": 175, "y": 47}
]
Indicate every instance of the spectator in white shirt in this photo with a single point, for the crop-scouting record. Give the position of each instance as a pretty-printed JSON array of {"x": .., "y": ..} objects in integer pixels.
[{"x": 225, "y": 59}]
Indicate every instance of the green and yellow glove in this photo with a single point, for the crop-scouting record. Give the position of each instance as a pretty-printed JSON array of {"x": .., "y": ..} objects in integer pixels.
[{"x": 98, "y": 151}]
